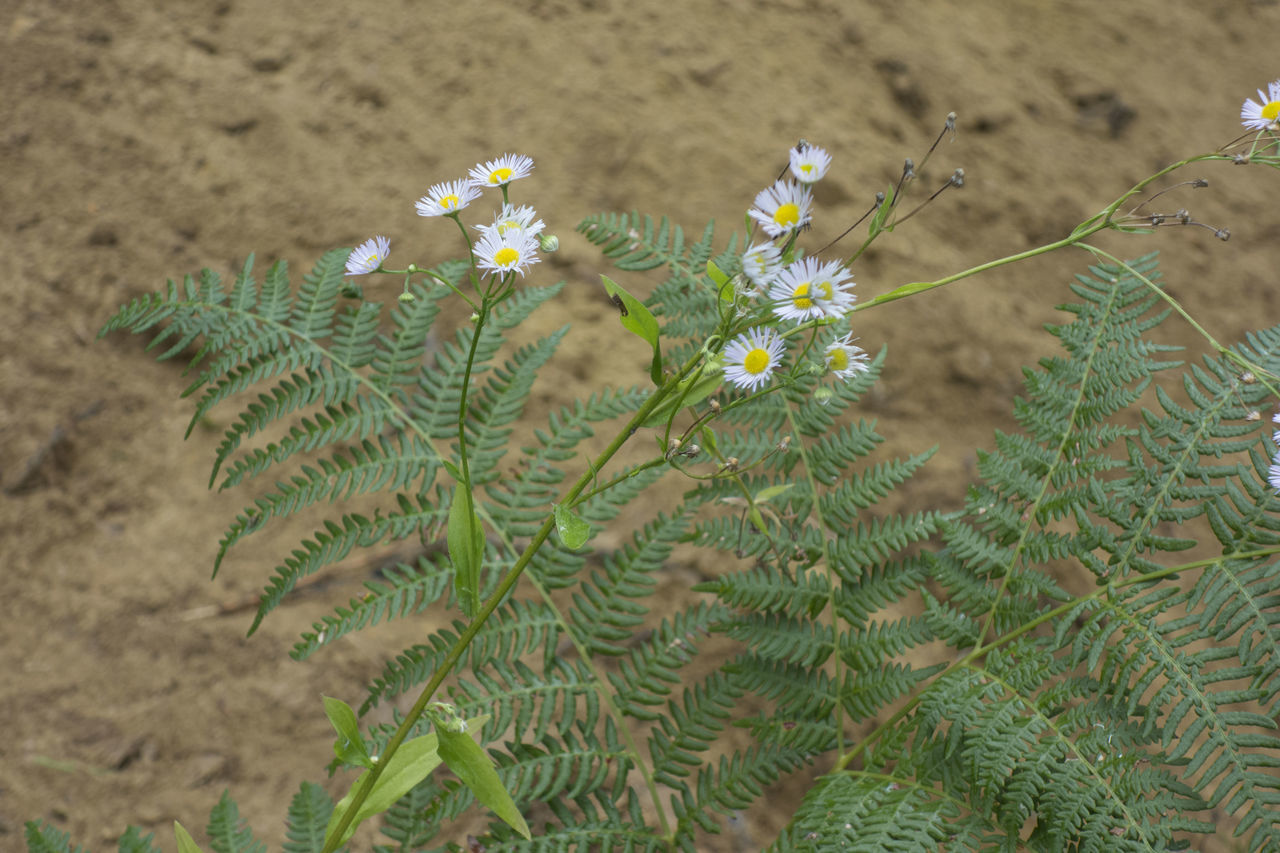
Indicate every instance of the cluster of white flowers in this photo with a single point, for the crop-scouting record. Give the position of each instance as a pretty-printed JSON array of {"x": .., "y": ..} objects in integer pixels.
[
  {"x": 803, "y": 290},
  {"x": 509, "y": 244}
]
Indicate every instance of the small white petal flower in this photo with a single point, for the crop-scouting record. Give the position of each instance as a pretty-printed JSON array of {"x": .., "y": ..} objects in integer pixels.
[
  {"x": 1276, "y": 418},
  {"x": 502, "y": 171},
  {"x": 449, "y": 197},
  {"x": 750, "y": 358},
  {"x": 761, "y": 265},
  {"x": 809, "y": 290},
  {"x": 368, "y": 256},
  {"x": 1262, "y": 113},
  {"x": 513, "y": 219},
  {"x": 496, "y": 254},
  {"x": 832, "y": 283},
  {"x": 809, "y": 164},
  {"x": 1273, "y": 473},
  {"x": 782, "y": 208},
  {"x": 847, "y": 360}
]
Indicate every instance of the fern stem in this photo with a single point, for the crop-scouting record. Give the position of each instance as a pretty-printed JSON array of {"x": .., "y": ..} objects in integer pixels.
[{"x": 504, "y": 587}]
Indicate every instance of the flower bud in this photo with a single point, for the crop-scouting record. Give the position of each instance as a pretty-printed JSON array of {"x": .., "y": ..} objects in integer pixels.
[
  {"x": 407, "y": 297},
  {"x": 549, "y": 242}
]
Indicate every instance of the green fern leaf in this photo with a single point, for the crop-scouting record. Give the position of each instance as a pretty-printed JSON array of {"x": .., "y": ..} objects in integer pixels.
[
  {"x": 227, "y": 832},
  {"x": 308, "y": 817}
]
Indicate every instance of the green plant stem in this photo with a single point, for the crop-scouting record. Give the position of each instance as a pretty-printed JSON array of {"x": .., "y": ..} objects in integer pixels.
[
  {"x": 1101, "y": 221},
  {"x": 504, "y": 587}
]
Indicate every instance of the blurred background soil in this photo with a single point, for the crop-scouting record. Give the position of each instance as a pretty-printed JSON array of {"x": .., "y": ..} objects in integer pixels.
[{"x": 144, "y": 140}]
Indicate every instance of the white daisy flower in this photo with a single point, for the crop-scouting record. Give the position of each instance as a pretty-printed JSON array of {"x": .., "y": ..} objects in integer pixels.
[
  {"x": 809, "y": 163},
  {"x": 832, "y": 283},
  {"x": 782, "y": 208},
  {"x": 513, "y": 219},
  {"x": 847, "y": 360},
  {"x": 502, "y": 171},
  {"x": 761, "y": 265},
  {"x": 1273, "y": 473},
  {"x": 497, "y": 254},
  {"x": 447, "y": 198},
  {"x": 751, "y": 358},
  {"x": 368, "y": 256},
  {"x": 810, "y": 290},
  {"x": 1261, "y": 114}
]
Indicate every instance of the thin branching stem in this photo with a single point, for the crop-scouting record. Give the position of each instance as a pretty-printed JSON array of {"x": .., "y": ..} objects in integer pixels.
[{"x": 504, "y": 587}]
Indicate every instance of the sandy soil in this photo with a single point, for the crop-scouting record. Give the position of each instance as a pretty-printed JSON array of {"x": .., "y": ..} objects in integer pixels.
[{"x": 143, "y": 140}]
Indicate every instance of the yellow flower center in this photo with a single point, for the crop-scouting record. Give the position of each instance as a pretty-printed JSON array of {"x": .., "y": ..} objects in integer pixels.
[
  {"x": 507, "y": 225},
  {"x": 787, "y": 214},
  {"x": 839, "y": 359},
  {"x": 756, "y": 362},
  {"x": 1271, "y": 110},
  {"x": 800, "y": 297},
  {"x": 506, "y": 256},
  {"x": 497, "y": 176},
  {"x": 806, "y": 167},
  {"x": 825, "y": 291},
  {"x": 449, "y": 202}
]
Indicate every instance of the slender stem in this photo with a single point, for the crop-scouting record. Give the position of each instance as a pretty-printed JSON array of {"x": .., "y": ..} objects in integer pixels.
[
  {"x": 464, "y": 485},
  {"x": 504, "y": 587}
]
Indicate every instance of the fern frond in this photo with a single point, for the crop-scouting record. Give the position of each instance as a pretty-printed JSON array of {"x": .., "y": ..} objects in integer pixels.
[
  {"x": 524, "y": 703},
  {"x": 516, "y": 628},
  {"x": 635, "y": 244},
  {"x": 227, "y": 832},
  {"x": 414, "y": 516},
  {"x": 309, "y": 813},
  {"x": 43, "y": 838},
  {"x": 408, "y": 591}
]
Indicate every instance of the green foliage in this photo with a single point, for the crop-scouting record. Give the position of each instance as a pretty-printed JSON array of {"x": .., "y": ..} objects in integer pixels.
[
  {"x": 308, "y": 816},
  {"x": 994, "y": 707},
  {"x": 228, "y": 833}
]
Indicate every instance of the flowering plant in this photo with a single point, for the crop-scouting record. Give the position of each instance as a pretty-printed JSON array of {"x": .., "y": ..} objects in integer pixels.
[{"x": 949, "y": 689}]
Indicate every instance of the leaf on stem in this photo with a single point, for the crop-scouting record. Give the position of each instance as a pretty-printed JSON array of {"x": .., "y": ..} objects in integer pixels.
[
  {"x": 408, "y": 766},
  {"x": 638, "y": 320},
  {"x": 574, "y": 531},
  {"x": 465, "y": 538},
  {"x": 186, "y": 844},
  {"x": 349, "y": 747},
  {"x": 475, "y": 768}
]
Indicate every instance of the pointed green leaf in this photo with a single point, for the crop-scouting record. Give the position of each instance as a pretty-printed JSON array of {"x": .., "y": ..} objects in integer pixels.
[
  {"x": 465, "y": 538},
  {"x": 413, "y": 761},
  {"x": 638, "y": 320},
  {"x": 719, "y": 276},
  {"x": 475, "y": 768},
  {"x": 772, "y": 492},
  {"x": 186, "y": 844},
  {"x": 574, "y": 532},
  {"x": 349, "y": 747}
]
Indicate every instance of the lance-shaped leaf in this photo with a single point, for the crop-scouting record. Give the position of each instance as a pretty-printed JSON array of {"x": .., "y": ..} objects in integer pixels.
[{"x": 638, "y": 320}]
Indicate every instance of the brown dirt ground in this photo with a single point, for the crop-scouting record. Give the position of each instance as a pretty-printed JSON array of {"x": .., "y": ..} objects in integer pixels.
[{"x": 143, "y": 140}]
